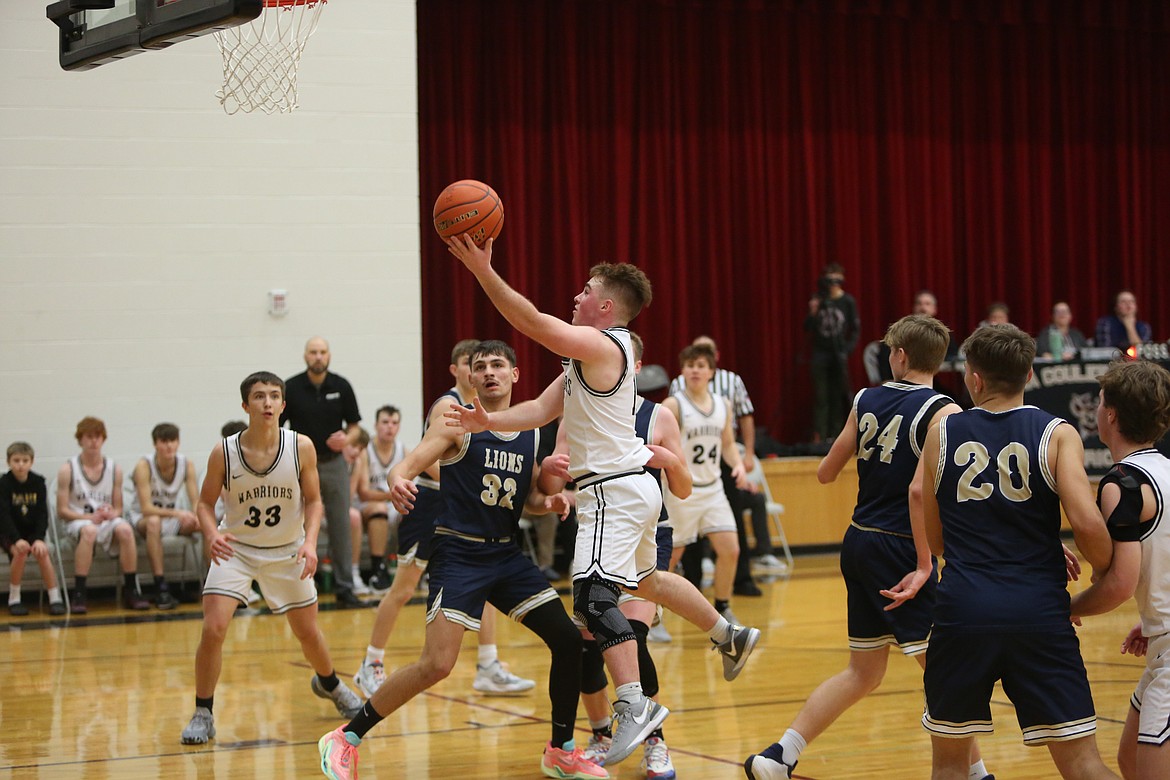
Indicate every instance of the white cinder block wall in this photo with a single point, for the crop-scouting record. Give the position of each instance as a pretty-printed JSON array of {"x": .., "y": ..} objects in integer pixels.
[{"x": 141, "y": 229}]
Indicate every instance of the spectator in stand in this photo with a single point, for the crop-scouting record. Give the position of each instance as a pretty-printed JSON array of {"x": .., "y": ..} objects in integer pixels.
[
  {"x": 1122, "y": 328},
  {"x": 1059, "y": 340},
  {"x": 925, "y": 302},
  {"x": 24, "y": 519},
  {"x": 998, "y": 313}
]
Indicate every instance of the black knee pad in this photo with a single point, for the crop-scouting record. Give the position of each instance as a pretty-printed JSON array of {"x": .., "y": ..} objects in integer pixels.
[
  {"x": 593, "y": 677},
  {"x": 647, "y": 671},
  {"x": 595, "y": 604},
  {"x": 378, "y": 516}
]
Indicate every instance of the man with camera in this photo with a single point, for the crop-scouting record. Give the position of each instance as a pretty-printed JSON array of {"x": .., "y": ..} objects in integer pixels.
[{"x": 834, "y": 325}]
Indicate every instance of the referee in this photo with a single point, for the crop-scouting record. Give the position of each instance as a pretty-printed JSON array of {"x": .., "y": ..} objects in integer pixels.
[
  {"x": 728, "y": 384},
  {"x": 322, "y": 406}
]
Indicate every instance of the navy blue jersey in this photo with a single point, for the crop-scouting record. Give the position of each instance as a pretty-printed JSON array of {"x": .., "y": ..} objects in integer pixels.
[
  {"x": 891, "y": 428},
  {"x": 1000, "y": 516},
  {"x": 486, "y": 483},
  {"x": 644, "y": 416},
  {"x": 431, "y": 505}
]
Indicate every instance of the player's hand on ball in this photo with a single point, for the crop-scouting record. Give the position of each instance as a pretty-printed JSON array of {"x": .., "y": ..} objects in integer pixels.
[
  {"x": 474, "y": 420},
  {"x": 469, "y": 254}
]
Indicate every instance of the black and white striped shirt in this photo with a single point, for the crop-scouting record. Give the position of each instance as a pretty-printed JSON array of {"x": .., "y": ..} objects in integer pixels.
[{"x": 727, "y": 384}]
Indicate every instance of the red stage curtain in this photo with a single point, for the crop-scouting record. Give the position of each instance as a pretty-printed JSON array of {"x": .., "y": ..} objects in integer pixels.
[{"x": 987, "y": 150}]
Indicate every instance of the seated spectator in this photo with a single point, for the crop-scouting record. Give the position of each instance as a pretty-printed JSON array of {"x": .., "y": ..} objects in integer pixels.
[
  {"x": 89, "y": 501},
  {"x": 1059, "y": 340},
  {"x": 1122, "y": 328},
  {"x": 925, "y": 302},
  {"x": 24, "y": 519},
  {"x": 158, "y": 479},
  {"x": 997, "y": 314},
  {"x": 372, "y": 488}
]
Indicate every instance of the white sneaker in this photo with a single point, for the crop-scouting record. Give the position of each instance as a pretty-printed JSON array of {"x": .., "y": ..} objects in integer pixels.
[
  {"x": 597, "y": 748},
  {"x": 370, "y": 677},
  {"x": 769, "y": 564},
  {"x": 656, "y": 761},
  {"x": 360, "y": 588},
  {"x": 494, "y": 678},
  {"x": 659, "y": 633}
]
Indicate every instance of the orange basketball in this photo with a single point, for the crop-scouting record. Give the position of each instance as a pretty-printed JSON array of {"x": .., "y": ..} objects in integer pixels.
[{"x": 469, "y": 206}]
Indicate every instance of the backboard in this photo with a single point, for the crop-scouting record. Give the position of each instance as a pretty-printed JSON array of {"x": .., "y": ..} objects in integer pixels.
[{"x": 96, "y": 32}]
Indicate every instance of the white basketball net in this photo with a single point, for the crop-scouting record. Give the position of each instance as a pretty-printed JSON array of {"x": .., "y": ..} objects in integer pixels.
[{"x": 260, "y": 58}]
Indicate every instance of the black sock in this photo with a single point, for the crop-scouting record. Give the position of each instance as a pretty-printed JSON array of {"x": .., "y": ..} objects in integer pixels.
[
  {"x": 604, "y": 731},
  {"x": 329, "y": 682},
  {"x": 160, "y": 583},
  {"x": 204, "y": 702},
  {"x": 721, "y": 604},
  {"x": 79, "y": 585},
  {"x": 658, "y": 733},
  {"x": 377, "y": 562},
  {"x": 131, "y": 580},
  {"x": 364, "y": 720}
]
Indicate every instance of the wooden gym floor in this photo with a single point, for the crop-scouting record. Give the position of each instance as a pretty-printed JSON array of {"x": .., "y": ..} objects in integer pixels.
[{"x": 107, "y": 696}]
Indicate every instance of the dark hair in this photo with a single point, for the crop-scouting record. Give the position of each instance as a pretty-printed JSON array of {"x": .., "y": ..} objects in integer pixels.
[
  {"x": 924, "y": 339},
  {"x": 464, "y": 348},
  {"x": 1002, "y": 354},
  {"x": 90, "y": 425},
  {"x": 232, "y": 427},
  {"x": 363, "y": 437},
  {"x": 998, "y": 306},
  {"x": 260, "y": 378},
  {"x": 494, "y": 347},
  {"x": 697, "y": 352},
  {"x": 165, "y": 432},
  {"x": 20, "y": 448},
  {"x": 626, "y": 284},
  {"x": 1140, "y": 394},
  {"x": 389, "y": 410}
]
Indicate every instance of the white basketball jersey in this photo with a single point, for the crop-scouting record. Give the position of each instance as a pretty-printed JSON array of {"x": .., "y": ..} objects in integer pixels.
[
  {"x": 599, "y": 422},
  {"x": 264, "y": 508},
  {"x": 86, "y": 496},
  {"x": 1153, "y": 598},
  {"x": 702, "y": 437},
  {"x": 162, "y": 493},
  {"x": 379, "y": 471}
]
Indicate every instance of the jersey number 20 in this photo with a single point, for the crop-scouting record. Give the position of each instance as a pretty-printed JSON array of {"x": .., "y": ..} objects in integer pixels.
[{"x": 976, "y": 458}]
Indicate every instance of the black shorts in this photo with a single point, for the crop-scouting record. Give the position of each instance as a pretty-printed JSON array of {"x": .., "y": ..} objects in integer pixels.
[
  {"x": 416, "y": 528},
  {"x": 464, "y": 575},
  {"x": 1042, "y": 674},
  {"x": 872, "y": 561}
]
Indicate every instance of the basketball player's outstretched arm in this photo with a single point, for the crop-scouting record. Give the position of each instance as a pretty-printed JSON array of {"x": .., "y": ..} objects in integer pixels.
[
  {"x": 579, "y": 342},
  {"x": 314, "y": 506},
  {"x": 522, "y": 417},
  {"x": 439, "y": 440},
  {"x": 1067, "y": 461}
]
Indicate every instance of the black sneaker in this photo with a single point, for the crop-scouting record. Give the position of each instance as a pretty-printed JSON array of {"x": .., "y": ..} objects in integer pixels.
[
  {"x": 56, "y": 607},
  {"x": 747, "y": 588},
  {"x": 132, "y": 599},
  {"x": 17, "y": 609},
  {"x": 164, "y": 600},
  {"x": 77, "y": 605},
  {"x": 345, "y": 599},
  {"x": 381, "y": 581}
]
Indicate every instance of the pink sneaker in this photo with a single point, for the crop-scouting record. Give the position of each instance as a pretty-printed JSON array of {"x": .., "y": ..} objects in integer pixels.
[
  {"x": 563, "y": 764},
  {"x": 339, "y": 755}
]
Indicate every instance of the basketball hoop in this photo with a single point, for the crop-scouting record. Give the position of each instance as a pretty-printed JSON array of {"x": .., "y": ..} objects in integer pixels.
[{"x": 260, "y": 58}]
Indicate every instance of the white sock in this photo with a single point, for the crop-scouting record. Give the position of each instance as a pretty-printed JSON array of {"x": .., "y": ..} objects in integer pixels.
[
  {"x": 357, "y": 573},
  {"x": 978, "y": 771},
  {"x": 791, "y": 745},
  {"x": 630, "y": 692},
  {"x": 13, "y": 594},
  {"x": 599, "y": 724},
  {"x": 487, "y": 655},
  {"x": 374, "y": 654},
  {"x": 54, "y": 595},
  {"x": 721, "y": 631}
]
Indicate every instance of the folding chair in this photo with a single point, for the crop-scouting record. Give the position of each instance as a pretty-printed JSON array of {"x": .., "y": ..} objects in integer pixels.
[{"x": 774, "y": 508}]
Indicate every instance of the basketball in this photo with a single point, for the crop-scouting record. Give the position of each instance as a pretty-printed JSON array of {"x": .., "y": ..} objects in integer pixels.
[{"x": 469, "y": 206}]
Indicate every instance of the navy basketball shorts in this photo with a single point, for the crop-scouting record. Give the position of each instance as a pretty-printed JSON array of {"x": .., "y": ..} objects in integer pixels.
[
  {"x": 416, "y": 528},
  {"x": 872, "y": 561},
  {"x": 465, "y": 575},
  {"x": 1042, "y": 674},
  {"x": 664, "y": 538}
]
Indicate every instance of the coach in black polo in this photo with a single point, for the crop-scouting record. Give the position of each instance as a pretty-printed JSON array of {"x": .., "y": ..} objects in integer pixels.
[{"x": 322, "y": 406}]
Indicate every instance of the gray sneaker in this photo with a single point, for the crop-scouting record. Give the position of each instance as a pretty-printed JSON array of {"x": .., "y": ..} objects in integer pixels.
[
  {"x": 632, "y": 723},
  {"x": 347, "y": 702},
  {"x": 736, "y": 649},
  {"x": 658, "y": 633},
  {"x": 370, "y": 677},
  {"x": 730, "y": 617},
  {"x": 200, "y": 729}
]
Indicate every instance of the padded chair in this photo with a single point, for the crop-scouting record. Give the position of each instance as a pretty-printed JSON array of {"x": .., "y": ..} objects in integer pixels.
[
  {"x": 774, "y": 508},
  {"x": 870, "y": 356}
]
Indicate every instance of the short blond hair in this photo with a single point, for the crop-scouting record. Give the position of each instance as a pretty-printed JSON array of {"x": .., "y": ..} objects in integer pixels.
[
  {"x": 626, "y": 284},
  {"x": 1002, "y": 354},
  {"x": 1140, "y": 394},
  {"x": 924, "y": 339}
]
